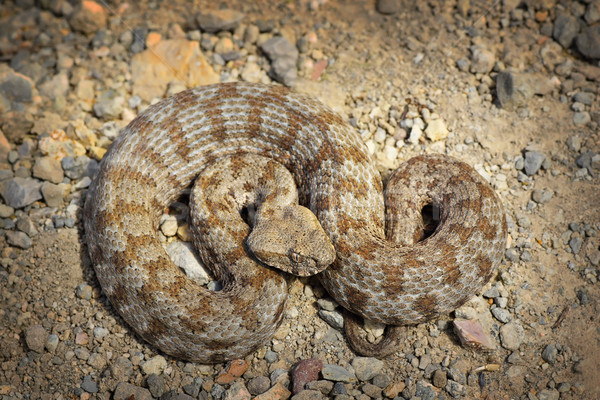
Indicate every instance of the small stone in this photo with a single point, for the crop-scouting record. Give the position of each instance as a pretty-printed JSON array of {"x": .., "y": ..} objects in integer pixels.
[
  {"x": 308, "y": 395},
  {"x": 35, "y": 338},
  {"x": 436, "y": 130},
  {"x": 100, "y": 332},
  {"x": 393, "y": 389},
  {"x": 366, "y": 368},
  {"x": 88, "y": 17},
  {"x": 323, "y": 386},
  {"x": 583, "y": 297},
  {"x": 582, "y": 118},
  {"x": 549, "y": 353},
  {"x": 78, "y": 167},
  {"x": 575, "y": 244},
  {"x": 83, "y": 291},
  {"x": 89, "y": 385},
  {"x": 425, "y": 391},
  {"x": 48, "y": 169},
  {"x": 533, "y": 162},
  {"x": 283, "y": 55},
  {"x": 548, "y": 394},
  {"x": 233, "y": 370},
  {"x": 121, "y": 368},
  {"x": 482, "y": 60},
  {"x": 109, "y": 105},
  {"x": 456, "y": 389},
  {"x": 337, "y": 373},
  {"x": 592, "y": 13},
  {"x": 371, "y": 390},
  {"x": 155, "y": 365},
  {"x": 515, "y": 89},
  {"x": 51, "y": 343},
  {"x": 169, "y": 226},
  {"x": 237, "y": 391},
  {"x": 219, "y": 20},
  {"x": 501, "y": 314},
  {"x": 96, "y": 361},
  {"x": 588, "y": 42},
  {"x": 20, "y": 192},
  {"x": 542, "y": 196},
  {"x": 471, "y": 334},
  {"x": 565, "y": 30},
  {"x": 333, "y": 318},
  {"x": 388, "y": 6},
  {"x": 15, "y": 87},
  {"x": 193, "y": 389},
  {"x": 18, "y": 239},
  {"x": 440, "y": 379},
  {"x": 586, "y": 98},
  {"x": 278, "y": 391},
  {"x": 53, "y": 194},
  {"x": 512, "y": 335},
  {"x": 156, "y": 385},
  {"x": 6, "y": 211},
  {"x": 127, "y": 391},
  {"x": 184, "y": 256},
  {"x": 305, "y": 371},
  {"x": 259, "y": 385}
]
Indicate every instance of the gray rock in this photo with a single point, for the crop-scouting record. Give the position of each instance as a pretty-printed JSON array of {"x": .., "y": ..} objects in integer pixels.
[
  {"x": 271, "y": 356},
  {"x": 592, "y": 13},
  {"x": 337, "y": 373},
  {"x": 339, "y": 388},
  {"x": 6, "y": 211},
  {"x": 26, "y": 225},
  {"x": 586, "y": 98},
  {"x": 491, "y": 293},
  {"x": 582, "y": 118},
  {"x": 48, "y": 169},
  {"x": 284, "y": 56},
  {"x": 456, "y": 389},
  {"x": 533, "y": 162},
  {"x": 512, "y": 335},
  {"x": 89, "y": 385},
  {"x": 156, "y": 385},
  {"x": 515, "y": 89},
  {"x": 35, "y": 338},
  {"x": 121, "y": 368},
  {"x": 549, "y": 353},
  {"x": 16, "y": 88},
  {"x": 219, "y": 20},
  {"x": 18, "y": 239},
  {"x": 259, "y": 385},
  {"x": 20, "y": 192},
  {"x": 512, "y": 254},
  {"x": 53, "y": 194},
  {"x": 138, "y": 40},
  {"x": 184, "y": 256},
  {"x": 155, "y": 365},
  {"x": 548, "y": 394},
  {"x": 109, "y": 105},
  {"x": 51, "y": 343},
  {"x": 126, "y": 391},
  {"x": 575, "y": 244},
  {"x": 78, "y": 167},
  {"x": 440, "y": 379},
  {"x": 565, "y": 30},
  {"x": 501, "y": 315},
  {"x": 588, "y": 42},
  {"x": 388, "y": 6},
  {"x": 482, "y": 60},
  {"x": 542, "y": 196},
  {"x": 382, "y": 380},
  {"x": 425, "y": 391},
  {"x": 193, "y": 389},
  {"x": 57, "y": 86},
  {"x": 583, "y": 297},
  {"x": 333, "y": 318},
  {"x": 366, "y": 368}
]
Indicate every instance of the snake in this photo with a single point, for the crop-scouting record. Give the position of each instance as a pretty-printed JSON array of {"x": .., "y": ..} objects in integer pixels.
[{"x": 372, "y": 255}]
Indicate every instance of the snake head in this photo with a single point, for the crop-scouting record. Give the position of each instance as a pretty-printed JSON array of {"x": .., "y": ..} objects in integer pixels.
[{"x": 290, "y": 238}]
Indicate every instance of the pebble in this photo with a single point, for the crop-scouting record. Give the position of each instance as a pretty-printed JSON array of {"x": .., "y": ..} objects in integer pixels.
[
  {"x": 237, "y": 391},
  {"x": 15, "y": 87},
  {"x": 582, "y": 118},
  {"x": 533, "y": 162},
  {"x": 109, "y": 105},
  {"x": 365, "y": 368},
  {"x": 565, "y": 30},
  {"x": 456, "y": 389},
  {"x": 575, "y": 244},
  {"x": 588, "y": 42},
  {"x": 512, "y": 335},
  {"x": 51, "y": 342},
  {"x": 501, "y": 315},
  {"x": 20, "y": 192},
  {"x": 549, "y": 353},
  {"x": 35, "y": 338},
  {"x": 18, "y": 239},
  {"x": 482, "y": 60},
  {"x": 471, "y": 334},
  {"x": 425, "y": 391},
  {"x": 121, "y": 368},
  {"x": 89, "y": 385},
  {"x": 371, "y": 390},
  {"x": 308, "y": 395},
  {"x": 548, "y": 394},
  {"x": 337, "y": 373},
  {"x": 88, "y": 17},
  {"x": 6, "y": 211},
  {"x": 259, "y": 385},
  {"x": 127, "y": 391},
  {"x": 48, "y": 169},
  {"x": 193, "y": 389},
  {"x": 52, "y": 194},
  {"x": 78, "y": 167},
  {"x": 436, "y": 130},
  {"x": 333, "y": 318},
  {"x": 283, "y": 55},
  {"x": 440, "y": 379},
  {"x": 586, "y": 98},
  {"x": 323, "y": 386},
  {"x": 155, "y": 365},
  {"x": 388, "y": 6},
  {"x": 219, "y": 20},
  {"x": 305, "y": 371},
  {"x": 542, "y": 196}
]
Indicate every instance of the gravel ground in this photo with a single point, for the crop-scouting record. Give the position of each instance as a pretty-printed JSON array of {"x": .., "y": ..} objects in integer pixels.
[{"x": 510, "y": 87}]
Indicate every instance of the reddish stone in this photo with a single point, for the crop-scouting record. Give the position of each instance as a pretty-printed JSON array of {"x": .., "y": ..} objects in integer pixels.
[{"x": 305, "y": 371}]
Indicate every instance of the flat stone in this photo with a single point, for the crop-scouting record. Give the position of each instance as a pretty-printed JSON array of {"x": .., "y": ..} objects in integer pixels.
[
  {"x": 550, "y": 353},
  {"x": 471, "y": 334},
  {"x": 533, "y": 162},
  {"x": 388, "y": 7},
  {"x": 515, "y": 89},
  {"x": 184, "y": 256},
  {"x": 366, "y": 368},
  {"x": 482, "y": 60},
  {"x": 512, "y": 335},
  {"x": 151, "y": 76},
  {"x": 305, "y": 371},
  {"x": 155, "y": 365},
  {"x": 337, "y": 373},
  {"x": 53, "y": 194},
  {"x": 219, "y": 20},
  {"x": 48, "y": 169},
  {"x": 126, "y": 391},
  {"x": 15, "y": 87},
  {"x": 436, "y": 130},
  {"x": 20, "y": 192},
  {"x": 35, "y": 338}
]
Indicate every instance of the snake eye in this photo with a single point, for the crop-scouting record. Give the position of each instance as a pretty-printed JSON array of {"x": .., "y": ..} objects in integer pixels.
[{"x": 296, "y": 257}]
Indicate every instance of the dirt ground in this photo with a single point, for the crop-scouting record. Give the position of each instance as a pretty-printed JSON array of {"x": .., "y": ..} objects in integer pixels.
[{"x": 383, "y": 72}]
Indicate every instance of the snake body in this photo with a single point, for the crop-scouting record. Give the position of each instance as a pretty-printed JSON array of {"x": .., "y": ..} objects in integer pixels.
[{"x": 394, "y": 279}]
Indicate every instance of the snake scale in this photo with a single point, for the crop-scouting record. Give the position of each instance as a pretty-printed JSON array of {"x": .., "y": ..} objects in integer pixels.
[{"x": 382, "y": 271}]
